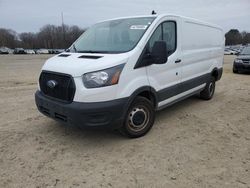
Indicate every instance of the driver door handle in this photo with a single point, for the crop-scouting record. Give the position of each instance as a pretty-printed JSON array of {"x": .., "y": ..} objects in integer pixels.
[{"x": 177, "y": 60}]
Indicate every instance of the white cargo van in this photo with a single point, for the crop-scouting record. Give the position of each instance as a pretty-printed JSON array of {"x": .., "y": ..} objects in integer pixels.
[{"x": 121, "y": 71}]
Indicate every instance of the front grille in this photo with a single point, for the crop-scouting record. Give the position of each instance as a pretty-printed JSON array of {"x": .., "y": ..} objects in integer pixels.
[
  {"x": 246, "y": 60},
  {"x": 64, "y": 89}
]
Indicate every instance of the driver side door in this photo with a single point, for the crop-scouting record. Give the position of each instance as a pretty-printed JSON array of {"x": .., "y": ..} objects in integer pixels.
[{"x": 165, "y": 78}]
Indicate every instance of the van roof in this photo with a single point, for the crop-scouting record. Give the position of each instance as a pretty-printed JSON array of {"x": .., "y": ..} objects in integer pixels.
[{"x": 159, "y": 16}]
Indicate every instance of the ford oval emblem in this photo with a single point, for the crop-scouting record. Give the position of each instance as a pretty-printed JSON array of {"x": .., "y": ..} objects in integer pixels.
[{"x": 52, "y": 84}]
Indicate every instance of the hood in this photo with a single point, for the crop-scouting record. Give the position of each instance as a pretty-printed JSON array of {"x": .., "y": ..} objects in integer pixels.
[
  {"x": 76, "y": 64},
  {"x": 243, "y": 56}
]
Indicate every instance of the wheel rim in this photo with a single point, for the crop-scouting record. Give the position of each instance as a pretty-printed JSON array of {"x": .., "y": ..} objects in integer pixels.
[
  {"x": 138, "y": 118},
  {"x": 211, "y": 88}
]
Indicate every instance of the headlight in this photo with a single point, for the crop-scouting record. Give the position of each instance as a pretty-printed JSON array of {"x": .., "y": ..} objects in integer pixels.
[
  {"x": 238, "y": 61},
  {"x": 103, "y": 78}
]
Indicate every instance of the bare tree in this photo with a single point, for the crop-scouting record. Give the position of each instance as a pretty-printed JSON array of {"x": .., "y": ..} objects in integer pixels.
[
  {"x": 8, "y": 38},
  {"x": 51, "y": 36},
  {"x": 245, "y": 37},
  {"x": 28, "y": 40}
]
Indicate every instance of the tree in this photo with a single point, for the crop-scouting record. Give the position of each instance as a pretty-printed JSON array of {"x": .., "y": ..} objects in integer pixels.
[
  {"x": 8, "y": 38},
  {"x": 51, "y": 36},
  {"x": 245, "y": 37},
  {"x": 233, "y": 37},
  {"x": 28, "y": 40}
]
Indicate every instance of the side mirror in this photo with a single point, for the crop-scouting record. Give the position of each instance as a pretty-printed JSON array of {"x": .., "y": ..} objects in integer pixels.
[
  {"x": 159, "y": 52},
  {"x": 157, "y": 56}
]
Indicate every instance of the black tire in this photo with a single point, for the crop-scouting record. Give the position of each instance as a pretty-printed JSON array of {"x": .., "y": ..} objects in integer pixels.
[
  {"x": 139, "y": 118},
  {"x": 208, "y": 91},
  {"x": 235, "y": 70}
]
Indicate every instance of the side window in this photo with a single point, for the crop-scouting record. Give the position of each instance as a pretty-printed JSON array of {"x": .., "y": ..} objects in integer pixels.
[
  {"x": 167, "y": 32},
  {"x": 169, "y": 35},
  {"x": 157, "y": 35}
]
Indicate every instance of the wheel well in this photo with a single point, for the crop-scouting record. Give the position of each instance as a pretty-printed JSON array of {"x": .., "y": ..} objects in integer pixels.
[
  {"x": 148, "y": 95},
  {"x": 215, "y": 74}
]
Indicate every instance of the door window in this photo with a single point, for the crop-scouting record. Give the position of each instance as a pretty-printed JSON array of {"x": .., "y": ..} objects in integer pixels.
[
  {"x": 157, "y": 35},
  {"x": 169, "y": 35},
  {"x": 166, "y": 32}
]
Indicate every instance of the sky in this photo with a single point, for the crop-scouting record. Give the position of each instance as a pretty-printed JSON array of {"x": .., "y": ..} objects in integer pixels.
[{"x": 31, "y": 15}]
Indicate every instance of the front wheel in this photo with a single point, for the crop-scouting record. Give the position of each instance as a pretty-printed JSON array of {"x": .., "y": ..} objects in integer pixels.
[
  {"x": 139, "y": 118},
  {"x": 235, "y": 70},
  {"x": 208, "y": 91}
]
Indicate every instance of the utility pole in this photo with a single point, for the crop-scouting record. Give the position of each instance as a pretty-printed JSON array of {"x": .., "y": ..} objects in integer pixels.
[
  {"x": 63, "y": 30},
  {"x": 62, "y": 18}
]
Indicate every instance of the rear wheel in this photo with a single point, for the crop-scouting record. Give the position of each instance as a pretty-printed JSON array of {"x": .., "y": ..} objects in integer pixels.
[
  {"x": 208, "y": 92},
  {"x": 139, "y": 118}
]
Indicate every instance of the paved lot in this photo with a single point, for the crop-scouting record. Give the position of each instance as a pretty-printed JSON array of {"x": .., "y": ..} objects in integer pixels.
[{"x": 193, "y": 143}]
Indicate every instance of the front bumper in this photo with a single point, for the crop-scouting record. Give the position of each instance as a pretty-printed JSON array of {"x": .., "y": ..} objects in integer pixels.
[
  {"x": 242, "y": 66},
  {"x": 108, "y": 114}
]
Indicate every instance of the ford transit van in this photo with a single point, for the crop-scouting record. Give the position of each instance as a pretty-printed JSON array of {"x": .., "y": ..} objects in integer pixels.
[{"x": 121, "y": 71}]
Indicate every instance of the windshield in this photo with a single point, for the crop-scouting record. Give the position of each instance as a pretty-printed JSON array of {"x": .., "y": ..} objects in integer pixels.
[
  {"x": 245, "y": 51},
  {"x": 115, "y": 36}
]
